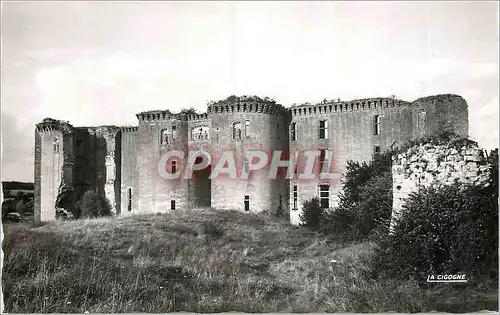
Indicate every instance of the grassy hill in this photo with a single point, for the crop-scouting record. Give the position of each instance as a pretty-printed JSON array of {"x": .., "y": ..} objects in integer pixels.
[{"x": 204, "y": 261}]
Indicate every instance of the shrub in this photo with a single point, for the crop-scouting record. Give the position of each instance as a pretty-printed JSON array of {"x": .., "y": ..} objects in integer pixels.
[
  {"x": 312, "y": 214},
  {"x": 29, "y": 206},
  {"x": 365, "y": 200},
  {"x": 93, "y": 205},
  {"x": 450, "y": 229},
  {"x": 444, "y": 230},
  {"x": 63, "y": 214}
]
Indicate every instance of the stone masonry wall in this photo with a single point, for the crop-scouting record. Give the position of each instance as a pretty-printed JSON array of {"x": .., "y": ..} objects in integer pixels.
[
  {"x": 122, "y": 163},
  {"x": 129, "y": 176},
  {"x": 432, "y": 165},
  {"x": 267, "y": 131},
  {"x": 53, "y": 169},
  {"x": 350, "y": 136},
  {"x": 158, "y": 132}
]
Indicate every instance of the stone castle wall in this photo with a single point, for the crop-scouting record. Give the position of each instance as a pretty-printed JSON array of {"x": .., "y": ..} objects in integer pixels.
[
  {"x": 122, "y": 163},
  {"x": 433, "y": 165},
  {"x": 129, "y": 171},
  {"x": 351, "y": 134}
]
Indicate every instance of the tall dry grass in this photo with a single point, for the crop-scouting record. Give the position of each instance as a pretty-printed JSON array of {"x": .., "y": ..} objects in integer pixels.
[{"x": 203, "y": 261}]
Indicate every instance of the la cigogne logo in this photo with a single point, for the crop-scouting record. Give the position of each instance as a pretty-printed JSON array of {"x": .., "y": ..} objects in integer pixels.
[{"x": 447, "y": 278}]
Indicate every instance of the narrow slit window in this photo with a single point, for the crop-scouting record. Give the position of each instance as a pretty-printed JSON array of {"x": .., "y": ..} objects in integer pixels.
[
  {"x": 245, "y": 166},
  {"x": 172, "y": 204},
  {"x": 174, "y": 132},
  {"x": 295, "y": 197},
  {"x": 129, "y": 205},
  {"x": 237, "y": 131},
  {"x": 164, "y": 137},
  {"x": 247, "y": 128},
  {"x": 247, "y": 203},
  {"x": 174, "y": 166},
  {"x": 376, "y": 125},
  {"x": 324, "y": 196},
  {"x": 56, "y": 145},
  {"x": 294, "y": 161},
  {"x": 293, "y": 130}
]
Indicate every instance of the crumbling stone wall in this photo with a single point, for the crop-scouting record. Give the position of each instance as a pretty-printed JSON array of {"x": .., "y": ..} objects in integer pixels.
[
  {"x": 53, "y": 169},
  {"x": 433, "y": 165},
  {"x": 109, "y": 160},
  {"x": 200, "y": 133},
  {"x": 71, "y": 160}
]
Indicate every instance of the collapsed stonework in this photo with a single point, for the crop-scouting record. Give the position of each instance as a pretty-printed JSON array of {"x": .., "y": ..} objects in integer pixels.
[
  {"x": 70, "y": 161},
  {"x": 459, "y": 162}
]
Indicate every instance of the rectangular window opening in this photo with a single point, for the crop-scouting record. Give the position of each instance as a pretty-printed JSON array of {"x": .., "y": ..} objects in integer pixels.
[
  {"x": 293, "y": 128},
  {"x": 174, "y": 167},
  {"x": 172, "y": 204},
  {"x": 323, "y": 160},
  {"x": 295, "y": 197},
  {"x": 324, "y": 196},
  {"x": 376, "y": 150},
  {"x": 174, "y": 132},
  {"x": 295, "y": 161},
  {"x": 323, "y": 129},
  {"x": 247, "y": 128}
]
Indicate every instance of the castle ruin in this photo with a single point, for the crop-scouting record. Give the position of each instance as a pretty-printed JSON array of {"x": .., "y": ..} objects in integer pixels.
[{"x": 121, "y": 163}]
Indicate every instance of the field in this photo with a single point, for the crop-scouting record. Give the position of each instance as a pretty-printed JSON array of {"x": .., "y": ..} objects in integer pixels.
[{"x": 205, "y": 261}]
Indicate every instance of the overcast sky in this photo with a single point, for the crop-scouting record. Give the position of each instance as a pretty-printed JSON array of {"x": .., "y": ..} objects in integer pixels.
[{"x": 101, "y": 63}]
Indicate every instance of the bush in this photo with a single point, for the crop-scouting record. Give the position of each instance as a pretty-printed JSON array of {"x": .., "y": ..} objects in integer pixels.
[
  {"x": 448, "y": 230},
  {"x": 365, "y": 201},
  {"x": 29, "y": 206},
  {"x": 63, "y": 214},
  {"x": 312, "y": 214},
  {"x": 93, "y": 205}
]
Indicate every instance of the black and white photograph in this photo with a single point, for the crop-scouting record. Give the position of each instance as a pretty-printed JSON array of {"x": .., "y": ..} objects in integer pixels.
[{"x": 249, "y": 156}]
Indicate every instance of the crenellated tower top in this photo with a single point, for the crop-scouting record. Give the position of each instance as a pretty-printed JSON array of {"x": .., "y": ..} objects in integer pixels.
[
  {"x": 246, "y": 104},
  {"x": 50, "y": 124}
]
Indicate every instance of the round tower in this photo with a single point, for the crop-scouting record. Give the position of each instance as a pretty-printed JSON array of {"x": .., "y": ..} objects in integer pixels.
[
  {"x": 440, "y": 113},
  {"x": 241, "y": 125},
  {"x": 160, "y": 133}
]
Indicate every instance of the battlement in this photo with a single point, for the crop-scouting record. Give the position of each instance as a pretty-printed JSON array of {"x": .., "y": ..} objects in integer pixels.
[
  {"x": 50, "y": 124},
  {"x": 195, "y": 117},
  {"x": 246, "y": 104},
  {"x": 128, "y": 129},
  {"x": 157, "y": 114},
  {"x": 327, "y": 107}
]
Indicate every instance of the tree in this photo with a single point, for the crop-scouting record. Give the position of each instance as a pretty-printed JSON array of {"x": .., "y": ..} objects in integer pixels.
[
  {"x": 93, "y": 205},
  {"x": 312, "y": 214}
]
